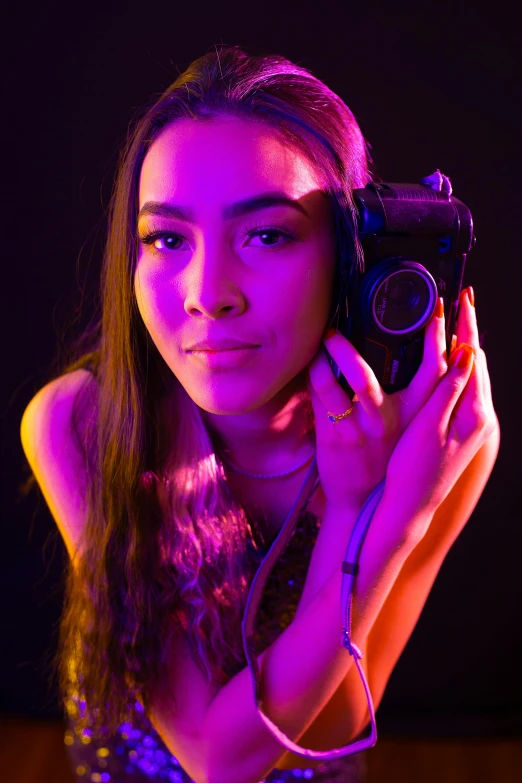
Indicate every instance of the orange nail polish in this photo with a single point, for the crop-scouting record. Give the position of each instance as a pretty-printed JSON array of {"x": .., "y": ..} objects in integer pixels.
[
  {"x": 329, "y": 332},
  {"x": 462, "y": 357},
  {"x": 467, "y": 293},
  {"x": 439, "y": 308},
  {"x": 453, "y": 344}
]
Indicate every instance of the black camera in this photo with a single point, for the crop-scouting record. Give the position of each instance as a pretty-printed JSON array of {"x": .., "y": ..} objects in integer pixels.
[{"x": 415, "y": 240}]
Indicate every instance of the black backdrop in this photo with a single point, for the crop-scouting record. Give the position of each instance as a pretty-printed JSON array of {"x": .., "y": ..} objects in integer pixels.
[{"x": 436, "y": 85}]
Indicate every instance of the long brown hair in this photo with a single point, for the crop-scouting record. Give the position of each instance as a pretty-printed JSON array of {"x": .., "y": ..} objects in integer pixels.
[{"x": 142, "y": 572}]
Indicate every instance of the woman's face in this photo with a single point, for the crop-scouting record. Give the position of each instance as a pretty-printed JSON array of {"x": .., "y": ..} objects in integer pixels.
[{"x": 239, "y": 250}]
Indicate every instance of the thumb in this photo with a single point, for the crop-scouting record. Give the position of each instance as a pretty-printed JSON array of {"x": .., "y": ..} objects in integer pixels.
[{"x": 451, "y": 386}]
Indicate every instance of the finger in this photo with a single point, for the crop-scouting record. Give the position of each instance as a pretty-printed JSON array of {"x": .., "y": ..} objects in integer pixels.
[
  {"x": 469, "y": 403},
  {"x": 452, "y": 346},
  {"x": 325, "y": 389},
  {"x": 477, "y": 397},
  {"x": 466, "y": 328},
  {"x": 357, "y": 372},
  {"x": 433, "y": 366},
  {"x": 467, "y": 332},
  {"x": 441, "y": 405},
  {"x": 488, "y": 398},
  {"x": 486, "y": 388}
]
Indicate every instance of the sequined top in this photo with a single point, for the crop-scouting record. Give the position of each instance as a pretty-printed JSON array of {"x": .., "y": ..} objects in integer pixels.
[{"x": 138, "y": 754}]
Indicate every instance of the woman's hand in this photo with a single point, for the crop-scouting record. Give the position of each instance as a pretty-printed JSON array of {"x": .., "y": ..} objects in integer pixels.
[
  {"x": 449, "y": 430},
  {"x": 353, "y": 454},
  {"x": 420, "y": 439}
]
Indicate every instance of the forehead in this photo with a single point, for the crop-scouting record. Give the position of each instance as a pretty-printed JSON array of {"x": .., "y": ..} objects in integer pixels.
[{"x": 221, "y": 161}]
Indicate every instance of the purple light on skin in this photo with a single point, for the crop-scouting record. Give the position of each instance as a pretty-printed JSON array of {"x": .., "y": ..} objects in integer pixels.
[
  {"x": 228, "y": 273},
  {"x": 215, "y": 360}
]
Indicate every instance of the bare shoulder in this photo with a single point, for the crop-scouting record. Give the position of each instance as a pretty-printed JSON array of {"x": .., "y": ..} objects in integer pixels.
[{"x": 51, "y": 447}]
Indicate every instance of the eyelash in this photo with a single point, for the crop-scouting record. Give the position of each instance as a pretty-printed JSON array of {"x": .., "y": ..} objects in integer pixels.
[{"x": 151, "y": 237}]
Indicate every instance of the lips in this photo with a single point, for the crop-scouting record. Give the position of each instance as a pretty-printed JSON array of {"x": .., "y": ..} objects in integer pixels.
[
  {"x": 223, "y": 359},
  {"x": 225, "y": 344}
]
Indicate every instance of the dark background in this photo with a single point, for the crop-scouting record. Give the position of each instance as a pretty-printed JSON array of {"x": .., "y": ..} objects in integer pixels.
[{"x": 432, "y": 86}]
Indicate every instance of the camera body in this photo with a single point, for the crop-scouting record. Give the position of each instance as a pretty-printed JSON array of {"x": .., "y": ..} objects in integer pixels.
[{"x": 415, "y": 240}]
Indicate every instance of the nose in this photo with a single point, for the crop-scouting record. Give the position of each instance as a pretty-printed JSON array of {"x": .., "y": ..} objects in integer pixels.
[{"x": 212, "y": 286}]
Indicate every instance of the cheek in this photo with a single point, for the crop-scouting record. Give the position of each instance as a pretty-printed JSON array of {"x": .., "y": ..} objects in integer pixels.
[
  {"x": 303, "y": 312},
  {"x": 316, "y": 290},
  {"x": 157, "y": 309}
]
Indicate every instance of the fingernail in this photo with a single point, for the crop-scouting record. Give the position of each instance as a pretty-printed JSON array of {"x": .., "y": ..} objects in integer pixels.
[
  {"x": 329, "y": 332},
  {"x": 462, "y": 357},
  {"x": 439, "y": 308},
  {"x": 453, "y": 344},
  {"x": 467, "y": 293}
]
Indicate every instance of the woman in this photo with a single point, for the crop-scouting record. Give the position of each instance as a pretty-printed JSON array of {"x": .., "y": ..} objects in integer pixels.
[{"x": 172, "y": 451}]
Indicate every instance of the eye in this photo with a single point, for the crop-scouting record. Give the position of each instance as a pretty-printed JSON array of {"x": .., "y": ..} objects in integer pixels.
[
  {"x": 163, "y": 241},
  {"x": 270, "y": 238}
]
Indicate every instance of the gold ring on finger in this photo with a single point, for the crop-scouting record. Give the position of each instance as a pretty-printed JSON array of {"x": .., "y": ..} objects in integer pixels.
[{"x": 332, "y": 417}]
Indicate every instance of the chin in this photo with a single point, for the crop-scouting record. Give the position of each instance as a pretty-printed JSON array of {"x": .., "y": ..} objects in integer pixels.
[
  {"x": 247, "y": 394},
  {"x": 227, "y": 407},
  {"x": 232, "y": 401}
]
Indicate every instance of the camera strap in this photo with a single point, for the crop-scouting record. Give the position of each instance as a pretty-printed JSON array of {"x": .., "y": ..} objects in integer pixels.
[{"x": 349, "y": 568}]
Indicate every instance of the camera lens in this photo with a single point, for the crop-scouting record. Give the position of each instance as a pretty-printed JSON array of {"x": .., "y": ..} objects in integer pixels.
[{"x": 402, "y": 296}]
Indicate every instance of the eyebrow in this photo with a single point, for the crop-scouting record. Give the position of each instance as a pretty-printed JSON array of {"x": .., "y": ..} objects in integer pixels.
[{"x": 240, "y": 208}]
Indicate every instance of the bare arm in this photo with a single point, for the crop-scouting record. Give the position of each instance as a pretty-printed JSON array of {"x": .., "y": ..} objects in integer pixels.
[
  {"x": 395, "y": 623},
  {"x": 305, "y": 666},
  {"x": 300, "y": 671},
  {"x": 404, "y": 604},
  {"x": 218, "y": 735}
]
